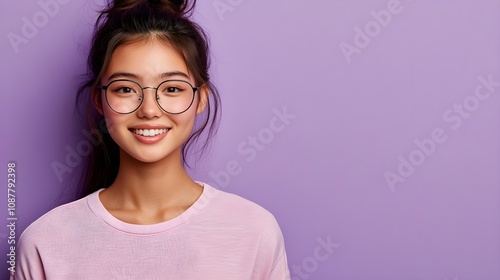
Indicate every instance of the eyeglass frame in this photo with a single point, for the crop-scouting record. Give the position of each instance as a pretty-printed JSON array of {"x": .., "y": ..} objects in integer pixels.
[{"x": 105, "y": 88}]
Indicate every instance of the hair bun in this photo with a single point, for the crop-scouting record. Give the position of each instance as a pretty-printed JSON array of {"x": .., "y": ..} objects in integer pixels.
[
  {"x": 176, "y": 7},
  {"x": 179, "y": 8}
]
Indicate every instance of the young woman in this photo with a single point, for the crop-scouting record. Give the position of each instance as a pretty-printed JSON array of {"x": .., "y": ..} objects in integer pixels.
[{"x": 142, "y": 216}]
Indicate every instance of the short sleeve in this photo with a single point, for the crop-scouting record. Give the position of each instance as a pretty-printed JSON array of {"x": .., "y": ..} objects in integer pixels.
[
  {"x": 271, "y": 262},
  {"x": 29, "y": 264},
  {"x": 280, "y": 270}
]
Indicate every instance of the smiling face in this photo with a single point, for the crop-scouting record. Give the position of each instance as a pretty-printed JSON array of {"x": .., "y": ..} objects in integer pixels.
[{"x": 149, "y": 134}]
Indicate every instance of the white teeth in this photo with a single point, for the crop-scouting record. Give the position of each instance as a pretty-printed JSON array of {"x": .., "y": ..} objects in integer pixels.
[{"x": 150, "y": 132}]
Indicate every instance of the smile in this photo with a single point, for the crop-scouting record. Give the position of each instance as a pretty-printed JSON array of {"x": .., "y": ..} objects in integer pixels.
[{"x": 149, "y": 132}]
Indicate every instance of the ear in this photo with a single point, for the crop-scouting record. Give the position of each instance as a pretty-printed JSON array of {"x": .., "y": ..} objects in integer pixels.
[
  {"x": 97, "y": 100},
  {"x": 203, "y": 99}
]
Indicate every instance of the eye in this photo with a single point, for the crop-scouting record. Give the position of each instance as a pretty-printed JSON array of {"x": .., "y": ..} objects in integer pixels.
[
  {"x": 172, "y": 89},
  {"x": 125, "y": 90}
]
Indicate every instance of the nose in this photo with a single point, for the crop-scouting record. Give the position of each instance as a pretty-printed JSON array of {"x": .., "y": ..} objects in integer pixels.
[{"x": 149, "y": 107}]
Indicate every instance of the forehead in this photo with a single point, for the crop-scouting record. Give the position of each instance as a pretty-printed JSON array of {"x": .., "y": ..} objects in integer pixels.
[{"x": 147, "y": 59}]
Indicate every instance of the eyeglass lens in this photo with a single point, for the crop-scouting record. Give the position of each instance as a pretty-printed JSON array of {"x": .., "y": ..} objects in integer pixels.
[{"x": 173, "y": 96}]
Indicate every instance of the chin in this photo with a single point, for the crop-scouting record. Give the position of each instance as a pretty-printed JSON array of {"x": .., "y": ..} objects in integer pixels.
[{"x": 151, "y": 156}]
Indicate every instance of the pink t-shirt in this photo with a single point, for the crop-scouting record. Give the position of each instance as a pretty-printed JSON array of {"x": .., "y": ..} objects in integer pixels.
[{"x": 221, "y": 236}]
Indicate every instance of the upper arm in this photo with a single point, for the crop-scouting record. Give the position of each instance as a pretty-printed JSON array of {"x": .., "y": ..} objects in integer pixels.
[
  {"x": 280, "y": 270},
  {"x": 272, "y": 259},
  {"x": 28, "y": 262}
]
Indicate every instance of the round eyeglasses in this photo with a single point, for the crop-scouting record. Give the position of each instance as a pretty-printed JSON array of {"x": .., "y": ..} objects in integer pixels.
[{"x": 172, "y": 96}]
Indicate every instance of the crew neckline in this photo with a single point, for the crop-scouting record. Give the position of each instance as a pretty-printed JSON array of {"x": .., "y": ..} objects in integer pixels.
[{"x": 101, "y": 212}]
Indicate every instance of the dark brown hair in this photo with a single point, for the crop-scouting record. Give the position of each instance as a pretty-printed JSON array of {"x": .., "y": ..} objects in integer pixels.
[{"x": 125, "y": 21}]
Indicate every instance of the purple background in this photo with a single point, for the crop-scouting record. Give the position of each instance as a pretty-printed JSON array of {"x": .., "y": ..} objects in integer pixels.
[{"x": 322, "y": 174}]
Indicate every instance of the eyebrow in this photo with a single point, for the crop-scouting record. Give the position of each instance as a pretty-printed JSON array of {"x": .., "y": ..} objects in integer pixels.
[{"x": 165, "y": 75}]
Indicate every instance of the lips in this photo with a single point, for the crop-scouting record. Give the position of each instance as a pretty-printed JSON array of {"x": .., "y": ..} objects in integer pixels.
[{"x": 149, "y": 132}]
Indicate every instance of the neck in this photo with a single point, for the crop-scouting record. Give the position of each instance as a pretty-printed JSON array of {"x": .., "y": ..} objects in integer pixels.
[{"x": 155, "y": 185}]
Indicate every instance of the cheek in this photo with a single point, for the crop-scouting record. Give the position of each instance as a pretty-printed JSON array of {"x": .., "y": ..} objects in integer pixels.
[
  {"x": 192, "y": 113},
  {"x": 113, "y": 121},
  {"x": 185, "y": 120}
]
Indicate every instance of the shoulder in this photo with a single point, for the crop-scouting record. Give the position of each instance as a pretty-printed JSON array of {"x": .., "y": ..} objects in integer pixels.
[
  {"x": 235, "y": 206},
  {"x": 229, "y": 210},
  {"x": 57, "y": 219},
  {"x": 253, "y": 220}
]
